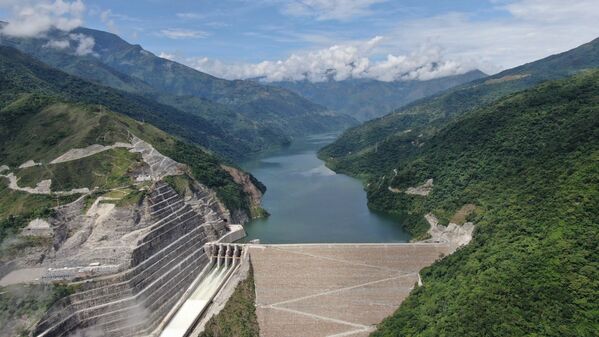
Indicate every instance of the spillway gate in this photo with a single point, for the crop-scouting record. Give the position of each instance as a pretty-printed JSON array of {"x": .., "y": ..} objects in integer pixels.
[{"x": 224, "y": 260}]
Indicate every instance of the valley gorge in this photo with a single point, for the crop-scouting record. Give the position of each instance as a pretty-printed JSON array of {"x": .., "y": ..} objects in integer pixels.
[{"x": 167, "y": 179}]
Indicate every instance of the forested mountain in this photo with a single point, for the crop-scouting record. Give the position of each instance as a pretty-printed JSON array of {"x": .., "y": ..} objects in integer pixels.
[
  {"x": 528, "y": 166},
  {"x": 365, "y": 99},
  {"x": 523, "y": 166},
  {"x": 374, "y": 147},
  {"x": 260, "y": 116},
  {"x": 44, "y": 112},
  {"x": 25, "y": 73}
]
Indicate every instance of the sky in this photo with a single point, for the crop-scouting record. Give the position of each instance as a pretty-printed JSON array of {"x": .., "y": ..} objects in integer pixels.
[{"x": 315, "y": 39}]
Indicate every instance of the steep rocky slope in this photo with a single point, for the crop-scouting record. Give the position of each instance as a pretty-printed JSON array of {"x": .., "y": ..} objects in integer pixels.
[{"x": 116, "y": 207}]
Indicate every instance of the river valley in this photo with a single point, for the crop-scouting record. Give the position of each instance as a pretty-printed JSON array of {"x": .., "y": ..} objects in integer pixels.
[{"x": 309, "y": 203}]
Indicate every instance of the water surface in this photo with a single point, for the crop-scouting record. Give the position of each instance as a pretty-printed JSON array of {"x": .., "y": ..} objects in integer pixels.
[{"x": 309, "y": 203}]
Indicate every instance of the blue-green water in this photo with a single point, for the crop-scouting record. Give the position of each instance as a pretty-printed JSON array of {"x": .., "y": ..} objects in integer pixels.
[{"x": 309, "y": 203}]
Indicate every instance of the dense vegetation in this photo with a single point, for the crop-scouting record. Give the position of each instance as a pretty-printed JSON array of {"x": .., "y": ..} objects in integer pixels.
[
  {"x": 238, "y": 317},
  {"x": 530, "y": 162},
  {"x": 373, "y": 148},
  {"x": 207, "y": 169},
  {"x": 241, "y": 117},
  {"x": 365, "y": 99},
  {"x": 22, "y": 74}
]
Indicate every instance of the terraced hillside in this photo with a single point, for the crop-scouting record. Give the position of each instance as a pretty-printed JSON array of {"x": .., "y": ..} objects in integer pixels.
[{"x": 168, "y": 256}]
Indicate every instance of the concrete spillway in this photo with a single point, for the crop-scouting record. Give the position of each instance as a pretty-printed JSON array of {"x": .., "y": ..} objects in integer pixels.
[{"x": 224, "y": 260}]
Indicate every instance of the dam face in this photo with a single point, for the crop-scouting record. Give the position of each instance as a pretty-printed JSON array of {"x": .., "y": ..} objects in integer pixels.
[
  {"x": 334, "y": 290},
  {"x": 165, "y": 262}
]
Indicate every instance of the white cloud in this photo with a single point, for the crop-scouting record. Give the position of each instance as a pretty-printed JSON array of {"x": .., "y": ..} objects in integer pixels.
[
  {"x": 512, "y": 32},
  {"x": 167, "y": 56},
  {"x": 57, "y": 44},
  {"x": 107, "y": 18},
  {"x": 532, "y": 29},
  {"x": 86, "y": 44},
  {"x": 339, "y": 62},
  {"x": 190, "y": 16},
  {"x": 330, "y": 9},
  {"x": 177, "y": 33},
  {"x": 32, "y": 18},
  {"x": 554, "y": 11},
  {"x": 83, "y": 44}
]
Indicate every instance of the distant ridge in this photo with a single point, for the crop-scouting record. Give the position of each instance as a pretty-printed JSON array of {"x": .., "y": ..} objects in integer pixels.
[
  {"x": 365, "y": 99},
  {"x": 353, "y": 152}
]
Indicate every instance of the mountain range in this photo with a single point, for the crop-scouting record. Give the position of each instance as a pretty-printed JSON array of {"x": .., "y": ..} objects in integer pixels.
[
  {"x": 366, "y": 99},
  {"x": 251, "y": 117},
  {"x": 375, "y": 147},
  {"x": 515, "y": 154},
  {"x": 45, "y": 112}
]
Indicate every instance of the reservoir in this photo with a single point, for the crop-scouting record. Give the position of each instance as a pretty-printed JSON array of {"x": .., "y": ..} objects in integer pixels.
[{"x": 309, "y": 203}]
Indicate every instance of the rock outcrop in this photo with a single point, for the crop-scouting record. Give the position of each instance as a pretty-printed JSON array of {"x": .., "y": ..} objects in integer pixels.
[
  {"x": 422, "y": 190},
  {"x": 249, "y": 187},
  {"x": 453, "y": 234}
]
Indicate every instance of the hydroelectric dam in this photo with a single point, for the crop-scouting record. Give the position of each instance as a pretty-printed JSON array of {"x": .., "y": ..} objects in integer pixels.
[
  {"x": 308, "y": 290},
  {"x": 185, "y": 265}
]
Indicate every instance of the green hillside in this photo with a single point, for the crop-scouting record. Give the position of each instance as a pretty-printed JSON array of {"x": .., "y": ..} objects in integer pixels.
[
  {"x": 366, "y": 99},
  {"x": 256, "y": 116},
  {"x": 25, "y": 74},
  {"x": 39, "y": 121},
  {"x": 530, "y": 163},
  {"x": 374, "y": 147}
]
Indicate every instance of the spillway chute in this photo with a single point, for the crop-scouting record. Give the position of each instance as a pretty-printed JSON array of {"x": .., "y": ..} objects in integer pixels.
[{"x": 225, "y": 259}]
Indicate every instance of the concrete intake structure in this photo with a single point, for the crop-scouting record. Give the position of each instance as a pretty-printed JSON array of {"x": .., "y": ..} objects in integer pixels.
[
  {"x": 224, "y": 261},
  {"x": 167, "y": 259}
]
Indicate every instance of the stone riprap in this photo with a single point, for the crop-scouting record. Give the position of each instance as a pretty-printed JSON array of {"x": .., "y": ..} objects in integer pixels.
[{"x": 318, "y": 290}]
